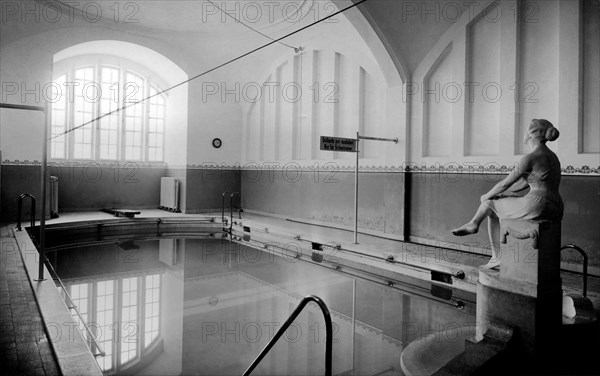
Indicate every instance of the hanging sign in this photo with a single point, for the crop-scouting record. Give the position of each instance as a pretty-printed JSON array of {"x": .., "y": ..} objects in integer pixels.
[{"x": 338, "y": 144}]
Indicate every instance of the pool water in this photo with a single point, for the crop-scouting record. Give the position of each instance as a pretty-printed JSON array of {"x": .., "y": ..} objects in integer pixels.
[{"x": 208, "y": 307}]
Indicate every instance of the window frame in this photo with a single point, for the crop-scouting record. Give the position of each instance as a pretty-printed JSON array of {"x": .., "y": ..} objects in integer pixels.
[{"x": 68, "y": 68}]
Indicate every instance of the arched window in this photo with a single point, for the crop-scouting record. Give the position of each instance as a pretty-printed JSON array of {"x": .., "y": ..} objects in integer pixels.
[{"x": 136, "y": 133}]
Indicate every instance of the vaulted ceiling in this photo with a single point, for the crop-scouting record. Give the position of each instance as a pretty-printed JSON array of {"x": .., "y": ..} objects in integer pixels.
[{"x": 409, "y": 28}]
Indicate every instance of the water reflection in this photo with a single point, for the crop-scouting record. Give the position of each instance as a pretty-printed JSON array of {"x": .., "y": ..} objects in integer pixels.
[
  {"x": 117, "y": 308},
  {"x": 191, "y": 306},
  {"x": 118, "y": 291}
]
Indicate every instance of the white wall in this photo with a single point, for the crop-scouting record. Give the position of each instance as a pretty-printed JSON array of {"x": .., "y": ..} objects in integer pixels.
[
  {"x": 512, "y": 62},
  {"x": 212, "y": 117},
  {"x": 342, "y": 82},
  {"x": 23, "y": 83}
]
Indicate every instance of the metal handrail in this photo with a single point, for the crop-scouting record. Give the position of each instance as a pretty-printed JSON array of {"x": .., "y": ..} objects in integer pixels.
[
  {"x": 231, "y": 196},
  {"x": 585, "y": 263},
  {"x": 20, "y": 204},
  {"x": 119, "y": 222},
  {"x": 290, "y": 320},
  {"x": 231, "y": 205},
  {"x": 402, "y": 286},
  {"x": 72, "y": 305},
  {"x": 223, "y": 207},
  {"x": 457, "y": 273}
]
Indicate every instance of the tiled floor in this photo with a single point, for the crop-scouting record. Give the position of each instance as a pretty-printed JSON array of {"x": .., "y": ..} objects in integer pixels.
[{"x": 24, "y": 345}]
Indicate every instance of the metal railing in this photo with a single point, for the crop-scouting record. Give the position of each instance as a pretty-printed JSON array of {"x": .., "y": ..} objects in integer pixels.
[
  {"x": 19, "y": 210},
  {"x": 585, "y": 264},
  {"x": 403, "y": 286},
  {"x": 223, "y": 207},
  {"x": 286, "y": 325},
  {"x": 231, "y": 196},
  {"x": 72, "y": 306},
  {"x": 458, "y": 273}
]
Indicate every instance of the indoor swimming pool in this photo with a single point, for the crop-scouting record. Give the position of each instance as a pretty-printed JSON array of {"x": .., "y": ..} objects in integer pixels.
[{"x": 174, "y": 306}]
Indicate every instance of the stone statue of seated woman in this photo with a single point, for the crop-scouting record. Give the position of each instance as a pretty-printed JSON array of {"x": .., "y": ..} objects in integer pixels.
[{"x": 529, "y": 192}]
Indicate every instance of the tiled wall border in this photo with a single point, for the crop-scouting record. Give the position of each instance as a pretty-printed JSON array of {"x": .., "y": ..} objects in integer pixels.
[{"x": 306, "y": 166}]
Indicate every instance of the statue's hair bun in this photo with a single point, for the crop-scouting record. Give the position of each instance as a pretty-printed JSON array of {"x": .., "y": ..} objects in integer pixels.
[{"x": 552, "y": 133}]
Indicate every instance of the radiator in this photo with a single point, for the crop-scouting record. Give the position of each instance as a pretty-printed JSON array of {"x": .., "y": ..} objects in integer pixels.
[
  {"x": 169, "y": 194},
  {"x": 53, "y": 197}
]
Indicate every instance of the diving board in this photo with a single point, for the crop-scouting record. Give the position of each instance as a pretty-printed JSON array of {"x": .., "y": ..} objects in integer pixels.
[{"x": 122, "y": 212}]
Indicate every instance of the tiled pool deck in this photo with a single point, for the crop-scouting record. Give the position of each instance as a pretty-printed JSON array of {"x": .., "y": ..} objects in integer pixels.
[{"x": 24, "y": 342}]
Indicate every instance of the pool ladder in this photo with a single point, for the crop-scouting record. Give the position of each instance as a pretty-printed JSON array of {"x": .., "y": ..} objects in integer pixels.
[
  {"x": 19, "y": 209},
  {"x": 585, "y": 265},
  {"x": 231, "y": 196},
  {"x": 286, "y": 325}
]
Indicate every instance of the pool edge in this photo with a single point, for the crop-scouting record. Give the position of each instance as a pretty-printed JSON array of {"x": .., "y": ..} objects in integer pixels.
[{"x": 70, "y": 349}]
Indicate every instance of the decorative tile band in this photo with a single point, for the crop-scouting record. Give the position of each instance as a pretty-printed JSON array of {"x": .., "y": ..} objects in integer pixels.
[
  {"x": 304, "y": 166},
  {"x": 88, "y": 164},
  {"x": 569, "y": 170},
  {"x": 333, "y": 167}
]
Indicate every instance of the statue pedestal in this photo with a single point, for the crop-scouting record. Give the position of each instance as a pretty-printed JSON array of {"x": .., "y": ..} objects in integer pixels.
[{"x": 526, "y": 293}]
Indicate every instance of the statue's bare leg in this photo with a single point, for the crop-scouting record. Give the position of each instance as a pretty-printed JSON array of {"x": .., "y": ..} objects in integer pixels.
[
  {"x": 472, "y": 226},
  {"x": 494, "y": 234}
]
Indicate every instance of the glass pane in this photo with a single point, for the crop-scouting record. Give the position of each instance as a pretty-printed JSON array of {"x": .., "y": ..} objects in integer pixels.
[
  {"x": 105, "y": 322},
  {"x": 83, "y": 106},
  {"x": 152, "y": 309},
  {"x": 58, "y": 118},
  {"x": 119, "y": 134},
  {"x": 129, "y": 323},
  {"x": 109, "y": 104}
]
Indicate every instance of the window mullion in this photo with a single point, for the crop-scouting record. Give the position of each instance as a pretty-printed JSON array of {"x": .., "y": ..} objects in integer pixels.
[
  {"x": 142, "y": 315},
  {"x": 145, "y": 123},
  {"x": 116, "y": 334},
  {"x": 139, "y": 316},
  {"x": 122, "y": 115},
  {"x": 67, "y": 115},
  {"x": 118, "y": 323},
  {"x": 164, "y": 129},
  {"x": 119, "y": 118},
  {"x": 71, "y": 116},
  {"x": 92, "y": 308},
  {"x": 98, "y": 110},
  {"x": 87, "y": 320}
]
